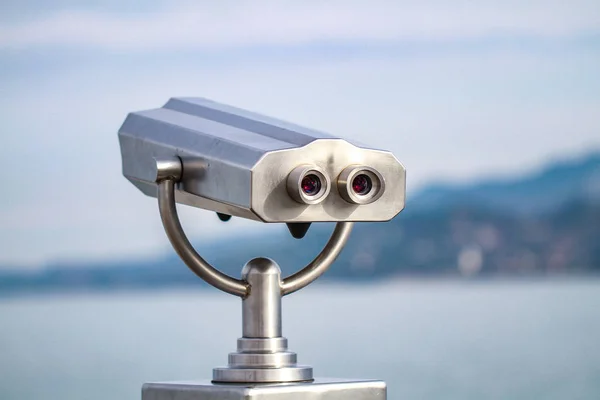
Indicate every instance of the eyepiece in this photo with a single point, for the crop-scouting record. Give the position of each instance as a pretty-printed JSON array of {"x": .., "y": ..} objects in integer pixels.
[
  {"x": 360, "y": 185},
  {"x": 311, "y": 185},
  {"x": 308, "y": 184}
]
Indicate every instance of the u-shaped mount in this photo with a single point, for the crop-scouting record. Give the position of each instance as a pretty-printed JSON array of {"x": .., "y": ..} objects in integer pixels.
[
  {"x": 262, "y": 355},
  {"x": 168, "y": 172}
]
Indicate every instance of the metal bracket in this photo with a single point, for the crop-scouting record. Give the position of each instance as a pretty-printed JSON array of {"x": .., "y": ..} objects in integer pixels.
[{"x": 262, "y": 355}]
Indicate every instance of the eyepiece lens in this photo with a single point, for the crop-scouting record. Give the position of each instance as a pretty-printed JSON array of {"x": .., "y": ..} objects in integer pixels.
[
  {"x": 362, "y": 184},
  {"x": 311, "y": 184}
]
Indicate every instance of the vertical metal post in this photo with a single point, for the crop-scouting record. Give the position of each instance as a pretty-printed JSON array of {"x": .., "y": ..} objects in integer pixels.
[
  {"x": 261, "y": 308},
  {"x": 262, "y": 355}
]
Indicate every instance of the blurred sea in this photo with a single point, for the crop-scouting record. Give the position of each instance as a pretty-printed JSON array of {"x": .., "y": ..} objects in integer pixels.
[{"x": 428, "y": 340}]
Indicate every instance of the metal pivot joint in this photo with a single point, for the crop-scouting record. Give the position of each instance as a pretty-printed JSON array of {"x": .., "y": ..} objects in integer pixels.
[{"x": 262, "y": 355}]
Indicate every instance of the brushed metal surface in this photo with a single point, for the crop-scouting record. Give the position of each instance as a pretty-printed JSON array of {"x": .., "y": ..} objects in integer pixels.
[
  {"x": 184, "y": 249},
  {"x": 203, "y": 269},
  {"x": 261, "y": 345},
  {"x": 261, "y": 308},
  {"x": 294, "y": 184},
  {"x": 258, "y": 374},
  {"x": 319, "y": 389},
  {"x": 321, "y": 263},
  {"x": 238, "y": 163},
  {"x": 271, "y": 202},
  {"x": 262, "y": 354},
  {"x": 346, "y": 178},
  {"x": 263, "y": 360}
]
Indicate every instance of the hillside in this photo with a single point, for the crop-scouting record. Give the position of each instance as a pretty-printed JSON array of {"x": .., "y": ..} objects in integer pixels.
[{"x": 553, "y": 187}]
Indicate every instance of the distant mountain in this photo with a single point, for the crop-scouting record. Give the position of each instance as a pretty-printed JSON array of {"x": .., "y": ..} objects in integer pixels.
[
  {"x": 553, "y": 187},
  {"x": 546, "y": 223}
]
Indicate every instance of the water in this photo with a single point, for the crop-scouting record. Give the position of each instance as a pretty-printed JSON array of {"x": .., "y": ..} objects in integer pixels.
[{"x": 536, "y": 340}]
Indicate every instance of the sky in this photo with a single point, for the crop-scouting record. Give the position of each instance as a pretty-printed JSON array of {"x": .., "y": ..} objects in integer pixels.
[{"x": 458, "y": 90}]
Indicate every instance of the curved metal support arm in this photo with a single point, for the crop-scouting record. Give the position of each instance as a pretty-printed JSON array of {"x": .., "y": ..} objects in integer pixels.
[
  {"x": 321, "y": 263},
  {"x": 170, "y": 220},
  {"x": 168, "y": 171}
]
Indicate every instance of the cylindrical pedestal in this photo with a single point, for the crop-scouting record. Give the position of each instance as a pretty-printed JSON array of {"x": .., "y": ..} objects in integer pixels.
[
  {"x": 261, "y": 309},
  {"x": 262, "y": 355}
]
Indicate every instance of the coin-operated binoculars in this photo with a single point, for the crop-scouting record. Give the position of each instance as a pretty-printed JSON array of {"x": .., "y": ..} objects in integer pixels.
[{"x": 237, "y": 163}]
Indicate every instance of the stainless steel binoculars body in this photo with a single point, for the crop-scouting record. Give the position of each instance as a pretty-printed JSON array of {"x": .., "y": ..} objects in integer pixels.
[{"x": 239, "y": 163}]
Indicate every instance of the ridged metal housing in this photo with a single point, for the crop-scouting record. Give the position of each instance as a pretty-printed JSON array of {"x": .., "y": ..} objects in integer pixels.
[{"x": 237, "y": 162}]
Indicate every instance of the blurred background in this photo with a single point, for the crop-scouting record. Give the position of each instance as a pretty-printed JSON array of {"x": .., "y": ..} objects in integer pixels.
[{"x": 485, "y": 286}]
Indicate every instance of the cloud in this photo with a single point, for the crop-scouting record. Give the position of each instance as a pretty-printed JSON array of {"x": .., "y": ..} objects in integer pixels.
[{"x": 275, "y": 23}]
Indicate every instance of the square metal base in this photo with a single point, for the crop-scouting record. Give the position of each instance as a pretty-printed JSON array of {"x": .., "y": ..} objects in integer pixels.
[{"x": 319, "y": 389}]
